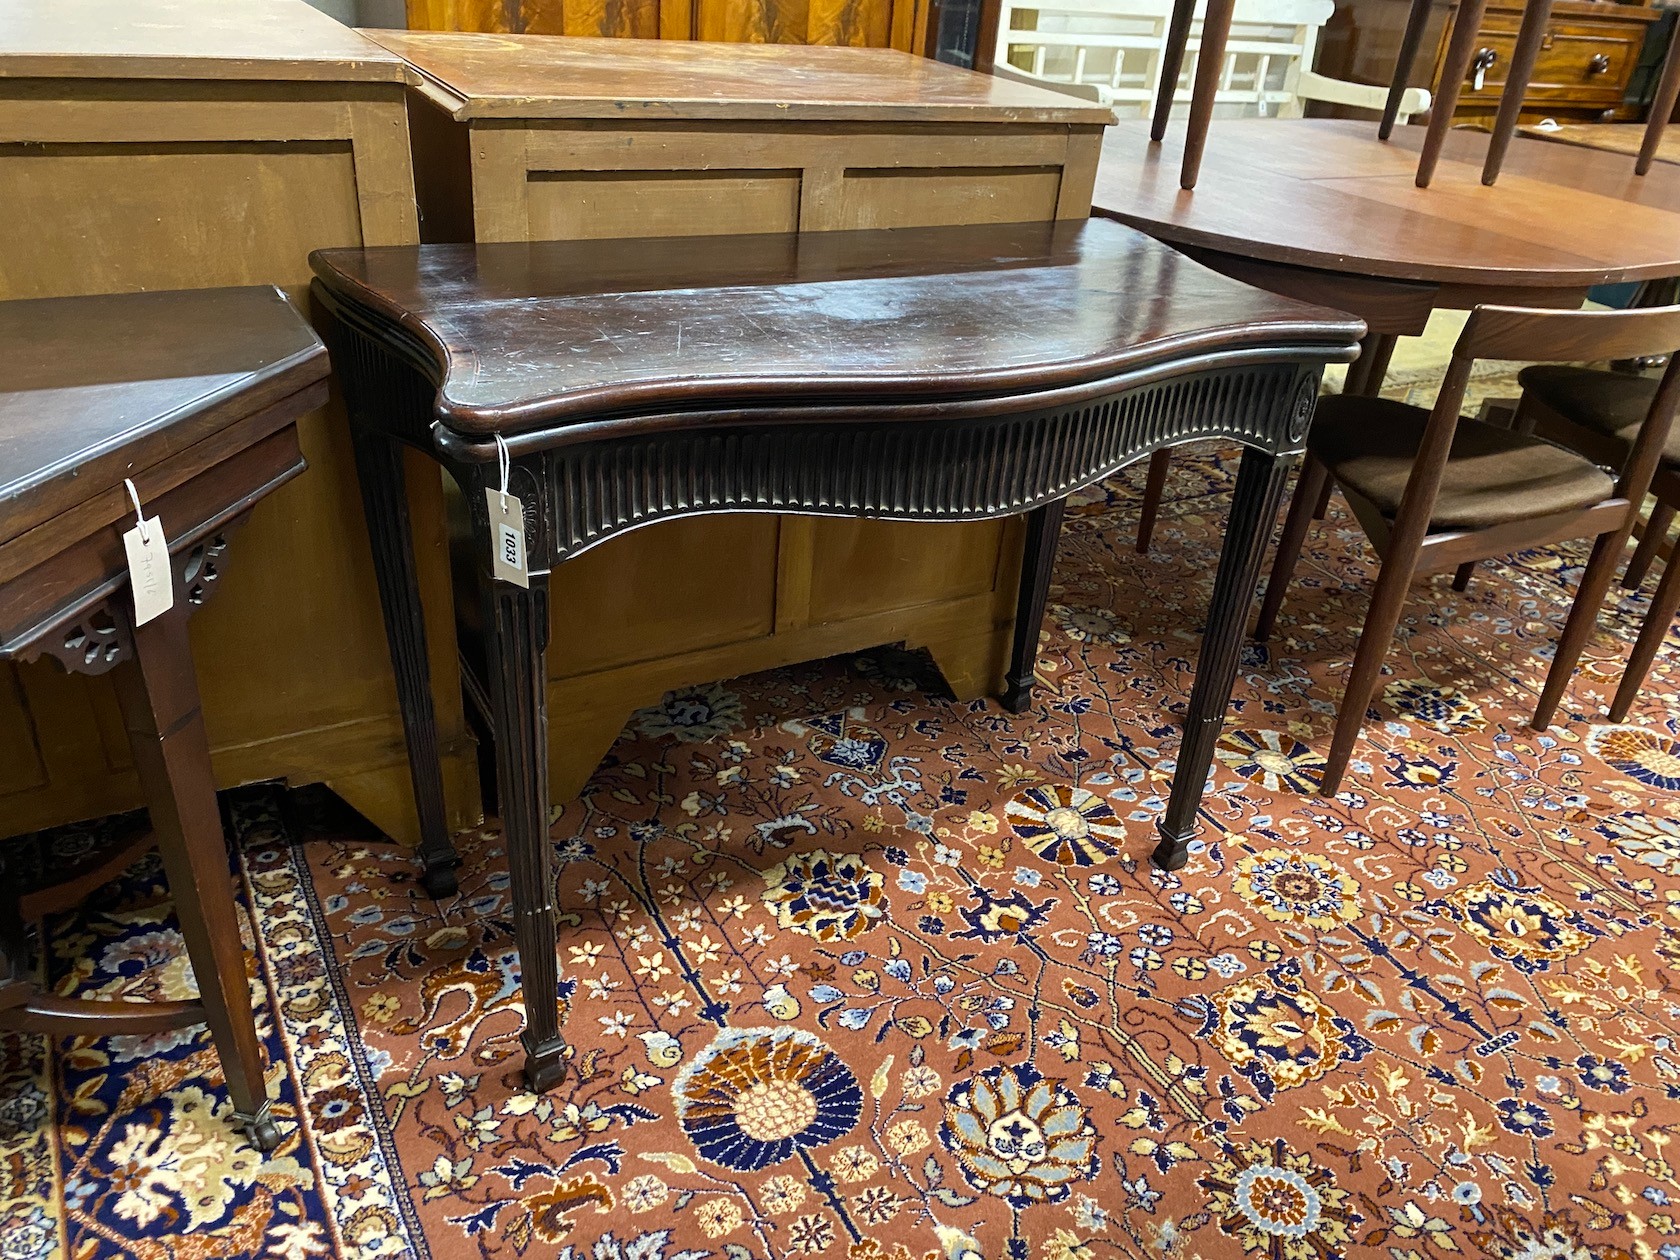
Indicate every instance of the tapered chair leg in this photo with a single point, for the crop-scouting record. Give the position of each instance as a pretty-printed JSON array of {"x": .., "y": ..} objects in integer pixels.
[
  {"x": 1153, "y": 488},
  {"x": 1210, "y": 69},
  {"x": 1172, "y": 65},
  {"x": 1460, "y": 49},
  {"x": 1650, "y": 543},
  {"x": 1375, "y": 640},
  {"x": 1662, "y": 108},
  {"x": 160, "y": 706},
  {"x": 1583, "y": 619},
  {"x": 1314, "y": 475},
  {"x": 1664, "y": 604},
  {"x": 1523, "y": 57},
  {"x": 1463, "y": 574},
  {"x": 1416, "y": 19}
]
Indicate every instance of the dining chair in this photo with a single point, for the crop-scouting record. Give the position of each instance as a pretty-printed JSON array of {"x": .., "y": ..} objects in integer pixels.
[
  {"x": 1599, "y": 414},
  {"x": 1437, "y": 492},
  {"x": 1456, "y": 67}
]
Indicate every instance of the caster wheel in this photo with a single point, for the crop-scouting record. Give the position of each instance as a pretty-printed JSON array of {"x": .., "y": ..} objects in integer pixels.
[{"x": 261, "y": 1131}]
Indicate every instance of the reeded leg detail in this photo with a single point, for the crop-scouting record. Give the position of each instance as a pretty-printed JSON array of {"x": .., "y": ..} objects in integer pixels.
[
  {"x": 517, "y": 624},
  {"x": 379, "y": 468},
  {"x": 1254, "y": 507},
  {"x": 1038, "y": 560}
]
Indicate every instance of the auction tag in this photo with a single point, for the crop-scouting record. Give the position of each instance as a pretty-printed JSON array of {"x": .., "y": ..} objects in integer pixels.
[
  {"x": 148, "y": 570},
  {"x": 507, "y": 537}
]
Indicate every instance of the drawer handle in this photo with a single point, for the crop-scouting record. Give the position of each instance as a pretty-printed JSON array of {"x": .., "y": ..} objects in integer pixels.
[
  {"x": 1485, "y": 60},
  {"x": 1598, "y": 64}
]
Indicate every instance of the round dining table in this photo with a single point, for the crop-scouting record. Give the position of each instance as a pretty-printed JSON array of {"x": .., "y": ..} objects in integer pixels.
[{"x": 1320, "y": 209}]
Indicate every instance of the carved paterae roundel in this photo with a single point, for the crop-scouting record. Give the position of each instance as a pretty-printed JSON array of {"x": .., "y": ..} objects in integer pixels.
[{"x": 1301, "y": 414}]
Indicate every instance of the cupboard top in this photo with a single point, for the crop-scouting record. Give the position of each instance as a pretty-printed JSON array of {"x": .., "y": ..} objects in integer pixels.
[
  {"x": 552, "y": 76},
  {"x": 186, "y": 39}
]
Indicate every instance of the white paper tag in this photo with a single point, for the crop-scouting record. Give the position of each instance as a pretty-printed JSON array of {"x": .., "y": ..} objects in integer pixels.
[
  {"x": 507, "y": 538},
  {"x": 148, "y": 570}
]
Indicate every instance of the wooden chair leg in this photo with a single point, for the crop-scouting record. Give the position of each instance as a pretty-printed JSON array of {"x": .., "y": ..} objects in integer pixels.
[
  {"x": 1462, "y": 575},
  {"x": 159, "y": 699},
  {"x": 1153, "y": 488},
  {"x": 1416, "y": 19},
  {"x": 1460, "y": 49},
  {"x": 1321, "y": 507},
  {"x": 1652, "y": 634},
  {"x": 1662, "y": 108},
  {"x": 1210, "y": 69},
  {"x": 1172, "y": 65},
  {"x": 1523, "y": 57},
  {"x": 1583, "y": 619},
  {"x": 1650, "y": 543},
  {"x": 1295, "y": 526},
  {"x": 1387, "y": 599}
]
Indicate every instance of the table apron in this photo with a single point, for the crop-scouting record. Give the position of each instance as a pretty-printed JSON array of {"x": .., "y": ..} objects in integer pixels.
[{"x": 580, "y": 494}]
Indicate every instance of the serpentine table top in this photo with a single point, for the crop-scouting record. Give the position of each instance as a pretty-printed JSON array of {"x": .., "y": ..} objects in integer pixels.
[{"x": 577, "y": 390}]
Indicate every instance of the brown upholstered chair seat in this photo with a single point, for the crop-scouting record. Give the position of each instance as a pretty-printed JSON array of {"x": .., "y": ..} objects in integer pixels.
[
  {"x": 1493, "y": 475},
  {"x": 1612, "y": 403}
]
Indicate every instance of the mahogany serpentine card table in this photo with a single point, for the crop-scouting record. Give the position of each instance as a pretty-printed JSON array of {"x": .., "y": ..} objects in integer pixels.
[{"x": 912, "y": 374}]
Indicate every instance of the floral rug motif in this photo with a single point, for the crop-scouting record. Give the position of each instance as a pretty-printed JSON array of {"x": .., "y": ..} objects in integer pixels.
[{"x": 853, "y": 971}]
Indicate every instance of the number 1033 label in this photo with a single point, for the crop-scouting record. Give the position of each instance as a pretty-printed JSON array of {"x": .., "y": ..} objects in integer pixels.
[{"x": 507, "y": 538}]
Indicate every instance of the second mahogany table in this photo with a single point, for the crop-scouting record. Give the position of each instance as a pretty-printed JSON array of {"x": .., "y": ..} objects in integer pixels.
[
  {"x": 916, "y": 374},
  {"x": 189, "y": 404}
]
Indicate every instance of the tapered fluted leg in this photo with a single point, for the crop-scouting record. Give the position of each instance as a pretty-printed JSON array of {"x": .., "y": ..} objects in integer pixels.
[
  {"x": 1172, "y": 64},
  {"x": 1461, "y": 47},
  {"x": 1416, "y": 19},
  {"x": 160, "y": 707},
  {"x": 1315, "y": 477},
  {"x": 1583, "y": 619},
  {"x": 1652, "y": 634},
  {"x": 1154, "y": 486},
  {"x": 1254, "y": 507},
  {"x": 1210, "y": 68},
  {"x": 1650, "y": 543},
  {"x": 379, "y": 468},
  {"x": 1038, "y": 560},
  {"x": 1523, "y": 56},
  {"x": 517, "y": 638}
]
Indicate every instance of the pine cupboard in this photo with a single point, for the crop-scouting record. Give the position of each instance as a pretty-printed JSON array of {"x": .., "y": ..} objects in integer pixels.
[
  {"x": 522, "y": 138},
  {"x": 176, "y": 144}
]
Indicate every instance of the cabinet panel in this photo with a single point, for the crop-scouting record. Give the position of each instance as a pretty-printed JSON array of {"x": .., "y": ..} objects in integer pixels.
[
  {"x": 587, "y": 205},
  {"x": 687, "y": 585},
  {"x": 900, "y": 197},
  {"x": 861, "y": 567}
]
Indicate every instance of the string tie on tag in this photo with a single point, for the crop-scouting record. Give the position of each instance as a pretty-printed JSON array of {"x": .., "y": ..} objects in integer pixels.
[
  {"x": 504, "y": 463},
  {"x": 140, "y": 517}
]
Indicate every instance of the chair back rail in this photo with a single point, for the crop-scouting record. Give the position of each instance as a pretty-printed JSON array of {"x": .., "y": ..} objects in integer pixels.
[{"x": 1542, "y": 336}]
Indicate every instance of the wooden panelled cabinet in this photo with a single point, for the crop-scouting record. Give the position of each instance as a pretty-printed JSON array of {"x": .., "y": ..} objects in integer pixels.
[
  {"x": 1587, "y": 57},
  {"x": 543, "y": 138},
  {"x": 174, "y": 144}
]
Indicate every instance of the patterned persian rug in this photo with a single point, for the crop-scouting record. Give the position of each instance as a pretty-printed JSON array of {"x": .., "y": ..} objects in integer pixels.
[{"x": 853, "y": 971}]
